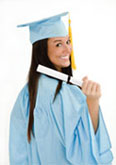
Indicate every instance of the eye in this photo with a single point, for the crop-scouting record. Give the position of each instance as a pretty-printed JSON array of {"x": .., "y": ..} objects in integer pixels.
[
  {"x": 58, "y": 45},
  {"x": 68, "y": 42}
]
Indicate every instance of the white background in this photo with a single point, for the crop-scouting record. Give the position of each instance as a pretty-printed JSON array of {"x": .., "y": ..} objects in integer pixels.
[{"x": 94, "y": 40}]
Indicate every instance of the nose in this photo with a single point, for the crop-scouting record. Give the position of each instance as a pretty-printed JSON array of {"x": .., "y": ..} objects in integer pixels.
[{"x": 67, "y": 48}]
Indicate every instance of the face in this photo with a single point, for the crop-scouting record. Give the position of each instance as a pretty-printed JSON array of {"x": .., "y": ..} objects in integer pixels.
[{"x": 59, "y": 50}]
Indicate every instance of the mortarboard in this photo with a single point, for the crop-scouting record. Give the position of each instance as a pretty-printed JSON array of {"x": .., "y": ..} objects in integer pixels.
[{"x": 48, "y": 28}]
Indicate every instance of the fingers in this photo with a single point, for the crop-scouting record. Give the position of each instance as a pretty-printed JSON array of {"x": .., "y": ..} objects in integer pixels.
[
  {"x": 98, "y": 90},
  {"x": 94, "y": 88},
  {"x": 90, "y": 88},
  {"x": 85, "y": 78}
]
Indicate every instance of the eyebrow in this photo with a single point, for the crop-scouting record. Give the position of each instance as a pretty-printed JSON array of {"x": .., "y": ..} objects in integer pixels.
[
  {"x": 57, "y": 40},
  {"x": 60, "y": 40}
]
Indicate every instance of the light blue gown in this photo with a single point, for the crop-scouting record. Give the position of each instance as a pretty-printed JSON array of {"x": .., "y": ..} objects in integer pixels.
[{"x": 63, "y": 130}]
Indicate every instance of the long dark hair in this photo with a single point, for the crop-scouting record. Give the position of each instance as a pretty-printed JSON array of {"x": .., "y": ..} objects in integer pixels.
[{"x": 39, "y": 56}]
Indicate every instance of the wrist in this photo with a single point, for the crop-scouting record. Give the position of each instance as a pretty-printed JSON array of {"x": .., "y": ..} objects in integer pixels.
[
  {"x": 93, "y": 105},
  {"x": 92, "y": 101}
]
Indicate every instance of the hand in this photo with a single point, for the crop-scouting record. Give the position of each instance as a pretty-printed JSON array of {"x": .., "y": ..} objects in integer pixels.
[{"x": 91, "y": 89}]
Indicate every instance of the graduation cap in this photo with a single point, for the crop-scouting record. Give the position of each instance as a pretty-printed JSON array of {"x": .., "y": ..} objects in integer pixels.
[{"x": 48, "y": 28}]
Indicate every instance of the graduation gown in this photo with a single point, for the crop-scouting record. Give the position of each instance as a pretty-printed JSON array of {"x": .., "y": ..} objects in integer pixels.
[{"x": 63, "y": 129}]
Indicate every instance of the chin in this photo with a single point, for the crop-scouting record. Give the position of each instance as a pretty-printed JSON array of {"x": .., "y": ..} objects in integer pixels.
[{"x": 65, "y": 66}]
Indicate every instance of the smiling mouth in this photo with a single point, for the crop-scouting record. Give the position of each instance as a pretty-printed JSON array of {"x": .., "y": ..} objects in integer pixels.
[{"x": 65, "y": 57}]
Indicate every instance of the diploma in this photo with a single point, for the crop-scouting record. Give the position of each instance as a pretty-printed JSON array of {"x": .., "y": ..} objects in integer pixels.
[{"x": 59, "y": 75}]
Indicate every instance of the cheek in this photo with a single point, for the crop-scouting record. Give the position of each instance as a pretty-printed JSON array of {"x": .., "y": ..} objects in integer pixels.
[
  {"x": 54, "y": 58},
  {"x": 54, "y": 54},
  {"x": 50, "y": 54}
]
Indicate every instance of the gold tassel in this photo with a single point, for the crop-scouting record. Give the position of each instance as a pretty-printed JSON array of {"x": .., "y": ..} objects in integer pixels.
[{"x": 72, "y": 53}]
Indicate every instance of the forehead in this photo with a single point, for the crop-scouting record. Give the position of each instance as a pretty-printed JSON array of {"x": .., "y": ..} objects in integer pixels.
[{"x": 58, "y": 38}]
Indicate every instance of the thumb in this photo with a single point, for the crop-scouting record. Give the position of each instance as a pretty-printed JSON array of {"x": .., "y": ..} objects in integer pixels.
[{"x": 85, "y": 78}]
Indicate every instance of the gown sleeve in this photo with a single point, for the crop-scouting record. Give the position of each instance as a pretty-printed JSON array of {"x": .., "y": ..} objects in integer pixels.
[
  {"x": 101, "y": 143},
  {"x": 18, "y": 134},
  {"x": 63, "y": 129},
  {"x": 82, "y": 145}
]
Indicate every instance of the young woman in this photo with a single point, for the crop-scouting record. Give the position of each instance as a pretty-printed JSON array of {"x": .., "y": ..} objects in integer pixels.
[{"x": 54, "y": 122}]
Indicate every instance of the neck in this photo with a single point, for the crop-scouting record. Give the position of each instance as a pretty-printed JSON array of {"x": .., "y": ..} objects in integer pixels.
[{"x": 59, "y": 69}]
